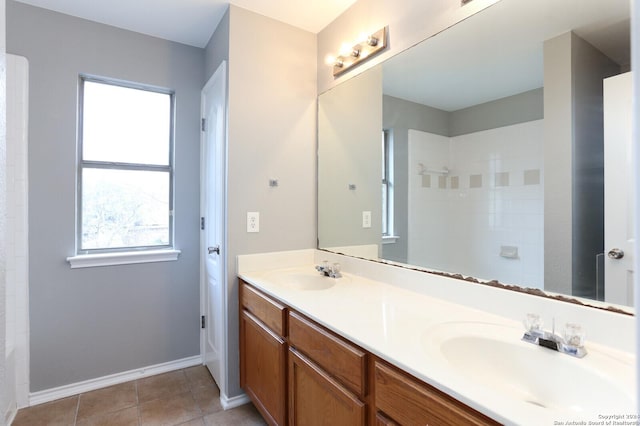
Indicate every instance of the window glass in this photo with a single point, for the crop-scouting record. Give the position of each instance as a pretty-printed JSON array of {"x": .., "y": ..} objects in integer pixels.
[
  {"x": 125, "y": 125},
  {"x": 125, "y": 171},
  {"x": 124, "y": 208}
]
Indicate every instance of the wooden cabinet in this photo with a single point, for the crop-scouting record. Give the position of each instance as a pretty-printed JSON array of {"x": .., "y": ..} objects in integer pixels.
[
  {"x": 317, "y": 399},
  {"x": 326, "y": 377},
  {"x": 410, "y": 402},
  {"x": 263, "y": 354},
  {"x": 267, "y": 310},
  {"x": 301, "y": 374},
  {"x": 333, "y": 354},
  {"x": 382, "y": 420}
]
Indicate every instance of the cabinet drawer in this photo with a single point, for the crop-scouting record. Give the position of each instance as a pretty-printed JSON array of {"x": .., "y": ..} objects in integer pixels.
[
  {"x": 410, "y": 402},
  {"x": 267, "y": 310},
  {"x": 340, "y": 359}
]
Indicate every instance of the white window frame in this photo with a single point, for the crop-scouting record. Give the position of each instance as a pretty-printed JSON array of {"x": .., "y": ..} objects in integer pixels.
[
  {"x": 387, "y": 182},
  {"x": 122, "y": 255}
]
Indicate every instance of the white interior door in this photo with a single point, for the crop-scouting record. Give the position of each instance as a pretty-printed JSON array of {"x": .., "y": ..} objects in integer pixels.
[
  {"x": 618, "y": 200},
  {"x": 213, "y": 271}
]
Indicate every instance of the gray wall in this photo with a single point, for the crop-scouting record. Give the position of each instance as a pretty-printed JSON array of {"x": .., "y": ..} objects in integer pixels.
[
  {"x": 271, "y": 134},
  {"x": 3, "y": 212},
  {"x": 573, "y": 159},
  {"x": 88, "y": 323},
  {"x": 558, "y": 164},
  {"x": 217, "y": 49},
  {"x": 519, "y": 108},
  {"x": 350, "y": 112},
  {"x": 399, "y": 116},
  {"x": 589, "y": 68}
]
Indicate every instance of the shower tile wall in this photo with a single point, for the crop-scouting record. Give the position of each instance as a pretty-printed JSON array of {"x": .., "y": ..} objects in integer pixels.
[
  {"x": 493, "y": 198},
  {"x": 17, "y": 263}
]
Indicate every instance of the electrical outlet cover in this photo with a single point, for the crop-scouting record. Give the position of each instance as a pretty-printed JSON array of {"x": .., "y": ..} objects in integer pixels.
[
  {"x": 253, "y": 222},
  {"x": 366, "y": 219}
]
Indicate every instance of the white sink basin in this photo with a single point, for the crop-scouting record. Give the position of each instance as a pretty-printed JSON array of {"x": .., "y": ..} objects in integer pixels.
[
  {"x": 492, "y": 356},
  {"x": 302, "y": 280}
]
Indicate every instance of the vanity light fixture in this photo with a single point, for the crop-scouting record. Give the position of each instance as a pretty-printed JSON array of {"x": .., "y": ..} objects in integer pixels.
[{"x": 365, "y": 48}]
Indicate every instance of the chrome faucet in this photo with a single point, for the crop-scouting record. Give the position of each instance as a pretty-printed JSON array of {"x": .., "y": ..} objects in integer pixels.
[
  {"x": 331, "y": 271},
  {"x": 571, "y": 344}
]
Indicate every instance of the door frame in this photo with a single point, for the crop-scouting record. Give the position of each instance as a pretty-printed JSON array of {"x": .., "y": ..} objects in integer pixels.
[{"x": 218, "y": 78}]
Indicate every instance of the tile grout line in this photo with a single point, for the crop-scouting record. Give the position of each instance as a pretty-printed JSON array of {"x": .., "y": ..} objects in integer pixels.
[
  {"x": 193, "y": 397},
  {"x": 137, "y": 403},
  {"x": 75, "y": 416}
]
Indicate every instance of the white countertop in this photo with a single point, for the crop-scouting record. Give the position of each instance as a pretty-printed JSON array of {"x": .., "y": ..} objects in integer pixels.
[{"x": 400, "y": 326}]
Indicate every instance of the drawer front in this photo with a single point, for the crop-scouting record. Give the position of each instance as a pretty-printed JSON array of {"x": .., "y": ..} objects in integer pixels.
[
  {"x": 340, "y": 359},
  {"x": 410, "y": 402},
  {"x": 267, "y": 310}
]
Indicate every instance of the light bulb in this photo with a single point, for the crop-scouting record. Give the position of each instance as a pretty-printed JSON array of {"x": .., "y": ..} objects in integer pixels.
[
  {"x": 345, "y": 49},
  {"x": 330, "y": 60}
]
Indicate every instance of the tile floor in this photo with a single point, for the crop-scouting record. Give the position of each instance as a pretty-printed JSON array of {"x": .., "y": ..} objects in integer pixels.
[{"x": 186, "y": 397}]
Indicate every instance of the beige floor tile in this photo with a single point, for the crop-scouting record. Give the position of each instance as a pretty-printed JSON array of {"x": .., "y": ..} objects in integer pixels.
[
  {"x": 195, "y": 422},
  {"x": 199, "y": 376},
  {"x": 162, "y": 386},
  {"x": 126, "y": 417},
  {"x": 57, "y": 413},
  {"x": 245, "y": 415},
  {"x": 208, "y": 398},
  {"x": 172, "y": 410},
  {"x": 113, "y": 398}
]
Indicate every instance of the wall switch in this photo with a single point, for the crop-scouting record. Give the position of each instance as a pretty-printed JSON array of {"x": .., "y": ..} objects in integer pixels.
[
  {"x": 366, "y": 219},
  {"x": 253, "y": 222}
]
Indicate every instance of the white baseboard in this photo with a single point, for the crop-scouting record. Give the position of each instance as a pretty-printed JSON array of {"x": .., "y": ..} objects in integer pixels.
[
  {"x": 48, "y": 395},
  {"x": 236, "y": 401},
  {"x": 11, "y": 415}
]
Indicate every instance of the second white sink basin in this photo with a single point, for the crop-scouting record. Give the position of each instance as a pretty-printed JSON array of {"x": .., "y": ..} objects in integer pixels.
[
  {"x": 303, "y": 280},
  {"x": 492, "y": 355}
]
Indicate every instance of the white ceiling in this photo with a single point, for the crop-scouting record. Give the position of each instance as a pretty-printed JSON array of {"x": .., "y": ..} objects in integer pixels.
[
  {"x": 193, "y": 21},
  {"x": 499, "y": 51}
]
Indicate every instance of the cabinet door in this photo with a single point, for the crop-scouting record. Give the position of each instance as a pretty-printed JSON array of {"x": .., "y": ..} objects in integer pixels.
[
  {"x": 382, "y": 420},
  {"x": 331, "y": 353},
  {"x": 316, "y": 399},
  {"x": 263, "y": 368},
  {"x": 409, "y": 402}
]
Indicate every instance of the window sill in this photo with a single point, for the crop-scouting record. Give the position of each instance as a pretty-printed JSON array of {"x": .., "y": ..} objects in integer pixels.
[
  {"x": 389, "y": 239},
  {"x": 122, "y": 258}
]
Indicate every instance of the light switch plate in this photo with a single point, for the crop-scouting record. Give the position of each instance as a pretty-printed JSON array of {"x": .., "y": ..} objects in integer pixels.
[
  {"x": 366, "y": 219},
  {"x": 253, "y": 222}
]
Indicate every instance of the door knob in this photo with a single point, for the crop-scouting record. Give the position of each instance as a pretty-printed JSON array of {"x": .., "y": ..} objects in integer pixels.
[
  {"x": 215, "y": 250},
  {"x": 615, "y": 253}
]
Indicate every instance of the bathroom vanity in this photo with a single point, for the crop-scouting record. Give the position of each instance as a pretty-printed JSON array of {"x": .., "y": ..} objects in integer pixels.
[
  {"x": 360, "y": 351},
  {"x": 328, "y": 377}
]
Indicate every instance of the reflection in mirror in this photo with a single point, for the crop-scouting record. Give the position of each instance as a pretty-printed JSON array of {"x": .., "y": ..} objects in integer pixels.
[{"x": 499, "y": 152}]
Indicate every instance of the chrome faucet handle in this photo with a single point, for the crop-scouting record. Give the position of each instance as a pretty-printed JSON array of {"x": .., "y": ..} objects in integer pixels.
[
  {"x": 571, "y": 343},
  {"x": 574, "y": 335},
  {"x": 323, "y": 268},
  {"x": 533, "y": 323},
  {"x": 334, "y": 270}
]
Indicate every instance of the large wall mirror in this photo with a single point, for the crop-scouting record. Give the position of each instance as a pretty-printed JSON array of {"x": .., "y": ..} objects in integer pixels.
[{"x": 497, "y": 149}]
